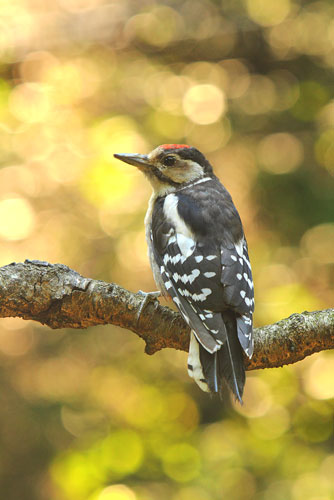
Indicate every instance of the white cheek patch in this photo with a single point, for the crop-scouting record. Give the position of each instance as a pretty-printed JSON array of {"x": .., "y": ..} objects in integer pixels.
[{"x": 186, "y": 172}]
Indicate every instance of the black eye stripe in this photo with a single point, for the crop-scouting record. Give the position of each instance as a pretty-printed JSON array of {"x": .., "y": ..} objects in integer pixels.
[{"x": 169, "y": 160}]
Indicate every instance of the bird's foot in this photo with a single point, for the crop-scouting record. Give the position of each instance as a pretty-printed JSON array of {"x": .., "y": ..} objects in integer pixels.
[{"x": 147, "y": 297}]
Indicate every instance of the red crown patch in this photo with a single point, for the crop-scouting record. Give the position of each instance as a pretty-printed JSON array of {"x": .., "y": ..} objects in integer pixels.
[{"x": 174, "y": 146}]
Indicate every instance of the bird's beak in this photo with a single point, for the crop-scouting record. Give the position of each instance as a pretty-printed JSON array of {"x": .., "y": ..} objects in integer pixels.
[{"x": 139, "y": 161}]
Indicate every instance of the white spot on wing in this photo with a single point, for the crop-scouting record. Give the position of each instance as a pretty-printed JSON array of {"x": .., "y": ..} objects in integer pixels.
[
  {"x": 190, "y": 277},
  {"x": 186, "y": 245},
  {"x": 199, "y": 297},
  {"x": 168, "y": 285},
  {"x": 174, "y": 260},
  {"x": 186, "y": 278},
  {"x": 249, "y": 281},
  {"x": 239, "y": 247},
  {"x": 209, "y": 274},
  {"x": 247, "y": 261}
]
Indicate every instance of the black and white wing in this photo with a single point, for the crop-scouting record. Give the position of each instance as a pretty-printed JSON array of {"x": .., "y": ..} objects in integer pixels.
[
  {"x": 202, "y": 277},
  {"x": 239, "y": 290}
]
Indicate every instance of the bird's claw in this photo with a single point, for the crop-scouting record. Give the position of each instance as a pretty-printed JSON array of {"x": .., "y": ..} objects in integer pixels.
[{"x": 148, "y": 297}]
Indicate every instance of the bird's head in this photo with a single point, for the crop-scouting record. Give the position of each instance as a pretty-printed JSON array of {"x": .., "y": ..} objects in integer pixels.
[{"x": 170, "y": 166}]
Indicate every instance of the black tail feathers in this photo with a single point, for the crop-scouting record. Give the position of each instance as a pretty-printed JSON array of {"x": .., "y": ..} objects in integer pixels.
[{"x": 227, "y": 363}]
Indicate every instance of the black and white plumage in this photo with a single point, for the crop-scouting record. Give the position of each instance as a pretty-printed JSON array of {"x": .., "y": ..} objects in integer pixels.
[{"x": 199, "y": 256}]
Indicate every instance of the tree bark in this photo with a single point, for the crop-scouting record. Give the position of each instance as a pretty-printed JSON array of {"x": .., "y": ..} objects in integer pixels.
[{"x": 56, "y": 296}]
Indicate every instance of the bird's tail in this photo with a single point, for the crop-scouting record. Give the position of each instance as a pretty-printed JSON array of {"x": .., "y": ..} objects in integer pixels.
[{"x": 210, "y": 370}]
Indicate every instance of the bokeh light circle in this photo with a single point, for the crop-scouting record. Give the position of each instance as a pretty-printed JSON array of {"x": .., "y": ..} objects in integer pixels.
[{"x": 204, "y": 104}]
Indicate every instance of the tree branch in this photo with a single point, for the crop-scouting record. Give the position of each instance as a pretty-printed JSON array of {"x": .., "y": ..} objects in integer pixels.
[{"x": 59, "y": 297}]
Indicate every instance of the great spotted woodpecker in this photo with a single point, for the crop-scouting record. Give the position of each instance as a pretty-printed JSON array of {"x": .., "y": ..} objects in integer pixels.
[{"x": 199, "y": 257}]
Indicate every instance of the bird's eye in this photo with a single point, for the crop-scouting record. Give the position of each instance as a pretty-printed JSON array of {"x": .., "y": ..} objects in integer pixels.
[{"x": 169, "y": 160}]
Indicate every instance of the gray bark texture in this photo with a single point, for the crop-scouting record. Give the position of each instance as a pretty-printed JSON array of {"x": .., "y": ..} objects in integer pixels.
[{"x": 56, "y": 296}]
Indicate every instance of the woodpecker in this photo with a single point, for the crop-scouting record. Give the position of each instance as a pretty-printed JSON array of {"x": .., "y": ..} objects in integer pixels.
[{"x": 199, "y": 257}]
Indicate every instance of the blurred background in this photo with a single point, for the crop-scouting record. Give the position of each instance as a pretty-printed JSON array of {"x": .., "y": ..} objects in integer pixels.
[{"x": 86, "y": 415}]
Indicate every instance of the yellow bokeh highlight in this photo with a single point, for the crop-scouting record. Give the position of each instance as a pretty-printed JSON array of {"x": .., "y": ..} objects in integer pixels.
[
  {"x": 272, "y": 425},
  {"x": 121, "y": 452},
  {"x": 204, "y": 104},
  {"x": 116, "y": 135},
  {"x": 283, "y": 300},
  {"x": 313, "y": 421},
  {"x": 116, "y": 492},
  {"x": 17, "y": 25},
  {"x": 83, "y": 472},
  {"x": 318, "y": 380},
  {"x": 260, "y": 96},
  {"x": 72, "y": 81},
  {"x": 280, "y": 153},
  {"x": 312, "y": 32},
  {"x": 167, "y": 124},
  {"x": 311, "y": 486},
  {"x": 20, "y": 178},
  {"x": 30, "y": 102},
  {"x": 33, "y": 142},
  {"x": 108, "y": 181},
  {"x": 36, "y": 66},
  {"x": 210, "y": 137},
  {"x": 324, "y": 148},
  {"x": 4, "y": 95},
  {"x": 77, "y": 6},
  {"x": 192, "y": 493},
  {"x": 204, "y": 72},
  {"x": 211, "y": 438},
  {"x": 318, "y": 243},
  {"x": 77, "y": 474},
  {"x": 17, "y": 219},
  {"x": 257, "y": 399},
  {"x": 157, "y": 27},
  {"x": 164, "y": 90},
  {"x": 181, "y": 462},
  {"x": 268, "y": 12}
]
